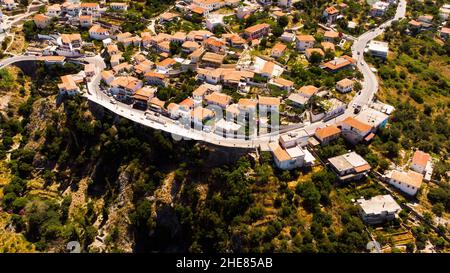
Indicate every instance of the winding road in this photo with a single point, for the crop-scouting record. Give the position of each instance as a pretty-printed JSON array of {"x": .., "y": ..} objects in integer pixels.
[
  {"x": 363, "y": 98},
  {"x": 370, "y": 85}
]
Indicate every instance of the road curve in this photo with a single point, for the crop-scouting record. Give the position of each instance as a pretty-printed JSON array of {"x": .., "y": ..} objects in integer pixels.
[
  {"x": 94, "y": 94},
  {"x": 370, "y": 84}
]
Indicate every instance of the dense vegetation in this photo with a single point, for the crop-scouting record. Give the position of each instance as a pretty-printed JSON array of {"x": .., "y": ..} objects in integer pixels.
[{"x": 73, "y": 142}]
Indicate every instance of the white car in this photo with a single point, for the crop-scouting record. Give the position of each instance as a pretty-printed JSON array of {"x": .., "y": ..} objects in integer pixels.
[{"x": 112, "y": 101}]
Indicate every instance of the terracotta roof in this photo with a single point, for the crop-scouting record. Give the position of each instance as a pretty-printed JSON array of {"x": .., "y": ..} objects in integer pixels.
[
  {"x": 420, "y": 158},
  {"x": 411, "y": 178},
  {"x": 246, "y": 104},
  {"x": 310, "y": 51},
  {"x": 269, "y": 100},
  {"x": 128, "y": 82},
  {"x": 362, "y": 168},
  {"x": 158, "y": 102},
  {"x": 97, "y": 29},
  {"x": 308, "y": 90},
  {"x": 360, "y": 126},
  {"x": 152, "y": 74},
  {"x": 166, "y": 62},
  {"x": 213, "y": 57},
  {"x": 143, "y": 66},
  {"x": 52, "y": 58},
  {"x": 328, "y": 131},
  {"x": 306, "y": 38},
  {"x": 179, "y": 35},
  {"x": 279, "y": 152},
  {"x": 124, "y": 35},
  {"x": 69, "y": 38},
  {"x": 89, "y": 5},
  {"x": 190, "y": 44},
  {"x": 188, "y": 102},
  {"x": 283, "y": 82},
  {"x": 118, "y": 4},
  {"x": 54, "y": 7},
  {"x": 68, "y": 83},
  {"x": 278, "y": 48},
  {"x": 107, "y": 74},
  {"x": 213, "y": 42},
  {"x": 345, "y": 82},
  {"x": 331, "y": 10},
  {"x": 168, "y": 15},
  {"x": 331, "y": 34},
  {"x": 122, "y": 66},
  {"x": 236, "y": 39},
  {"x": 256, "y": 28},
  {"x": 85, "y": 17},
  {"x": 172, "y": 107},
  {"x": 268, "y": 68},
  {"x": 414, "y": 23},
  {"x": 328, "y": 46},
  {"x": 218, "y": 98},
  {"x": 41, "y": 17},
  {"x": 200, "y": 91},
  {"x": 144, "y": 93},
  {"x": 445, "y": 30},
  {"x": 201, "y": 113},
  {"x": 339, "y": 63},
  {"x": 233, "y": 109},
  {"x": 198, "y": 9}
]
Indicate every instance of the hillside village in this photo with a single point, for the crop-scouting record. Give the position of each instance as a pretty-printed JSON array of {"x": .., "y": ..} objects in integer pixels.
[{"x": 230, "y": 68}]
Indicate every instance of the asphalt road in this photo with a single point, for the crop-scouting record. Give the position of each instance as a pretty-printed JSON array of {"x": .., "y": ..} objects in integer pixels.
[{"x": 370, "y": 87}]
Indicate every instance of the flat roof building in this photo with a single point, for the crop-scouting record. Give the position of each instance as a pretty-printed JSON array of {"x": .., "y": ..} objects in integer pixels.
[
  {"x": 378, "y": 209},
  {"x": 350, "y": 166}
]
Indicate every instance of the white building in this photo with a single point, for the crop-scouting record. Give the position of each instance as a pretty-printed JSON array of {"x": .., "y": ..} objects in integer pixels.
[
  {"x": 331, "y": 108},
  {"x": 355, "y": 131},
  {"x": 228, "y": 129},
  {"x": 209, "y": 5},
  {"x": 213, "y": 21},
  {"x": 444, "y": 12},
  {"x": 422, "y": 163},
  {"x": 291, "y": 157},
  {"x": 345, "y": 85},
  {"x": 244, "y": 12},
  {"x": 287, "y": 37},
  {"x": 378, "y": 209},
  {"x": 374, "y": 118},
  {"x": 379, "y": 8},
  {"x": 54, "y": 10},
  {"x": 68, "y": 86},
  {"x": 285, "y": 3},
  {"x": 120, "y": 6},
  {"x": 9, "y": 4},
  {"x": 350, "y": 166},
  {"x": 69, "y": 45},
  {"x": 378, "y": 49},
  {"x": 85, "y": 20},
  {"x": 97, "y": 32},
  {"x": 268, "y": 104},
  {"x": 305, "y": 41},
  {"x": 408, "y": 182}
]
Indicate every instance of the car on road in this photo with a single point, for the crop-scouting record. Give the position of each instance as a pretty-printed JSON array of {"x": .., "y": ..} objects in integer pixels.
[
  {"x": 113, "y": 101},
  {"x": 357, "y": 109}
]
